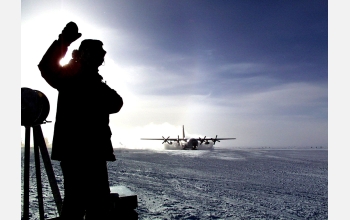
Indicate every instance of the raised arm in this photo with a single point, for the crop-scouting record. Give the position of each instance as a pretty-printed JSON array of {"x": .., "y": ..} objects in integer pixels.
[{"x": 49, "y": 65}]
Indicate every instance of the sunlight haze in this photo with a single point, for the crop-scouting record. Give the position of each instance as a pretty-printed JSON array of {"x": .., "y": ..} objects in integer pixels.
[{"x": 254, "y": 71}]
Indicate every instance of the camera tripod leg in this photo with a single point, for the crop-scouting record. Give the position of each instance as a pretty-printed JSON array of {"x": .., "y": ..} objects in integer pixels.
[
  {"x": 38, "y": 135},
  {"x": 26, "y": 174},
  {"x": 38, "y": 179}
]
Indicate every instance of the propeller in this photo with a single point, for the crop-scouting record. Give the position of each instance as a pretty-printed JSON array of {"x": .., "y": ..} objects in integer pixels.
[
  {"x": 178, "y": 141},
  {"x": 201, "y": 140},
  {"x": 215, "y": 139},
  {"x": 165, "y": 140}
]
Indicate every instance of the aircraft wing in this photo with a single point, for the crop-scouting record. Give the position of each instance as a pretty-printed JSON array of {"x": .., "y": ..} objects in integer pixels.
[
  {"x": 161, "y": 139},
  {"x": 211, "y": 139},
  {"x": 219, "y": 139},
  {"x": 216, "y": 139},
  {"x": 166, "y": 140}
]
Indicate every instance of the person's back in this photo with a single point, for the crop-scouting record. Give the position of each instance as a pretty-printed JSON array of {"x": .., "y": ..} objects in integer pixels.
[
  {"x": 82, "y": 118},
  {"x": 82, "y": 136}
]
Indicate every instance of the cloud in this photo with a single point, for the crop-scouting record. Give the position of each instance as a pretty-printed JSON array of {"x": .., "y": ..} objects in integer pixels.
[
  {"x": 289, "y": 100},
  {"x": 290, "y": 110},
  {"x": 241, "y": 68}
]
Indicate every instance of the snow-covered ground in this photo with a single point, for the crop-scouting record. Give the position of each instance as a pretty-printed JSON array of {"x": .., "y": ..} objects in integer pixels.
[{"x": 237, "y": 183}]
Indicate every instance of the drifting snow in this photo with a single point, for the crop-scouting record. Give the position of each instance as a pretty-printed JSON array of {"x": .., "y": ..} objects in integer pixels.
[
  {"x": 176, "y": 146},
  {"x": 214, "y": 184}
]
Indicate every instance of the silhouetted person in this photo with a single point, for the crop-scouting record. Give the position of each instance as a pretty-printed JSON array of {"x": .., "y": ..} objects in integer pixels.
[{"x": 82, "y": 137}]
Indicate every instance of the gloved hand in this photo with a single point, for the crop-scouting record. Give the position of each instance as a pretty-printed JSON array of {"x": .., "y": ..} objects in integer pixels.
[{"x": 69, "y": 33}]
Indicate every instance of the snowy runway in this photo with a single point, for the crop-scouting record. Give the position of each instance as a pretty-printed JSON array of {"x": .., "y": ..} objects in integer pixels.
[{"x": 216, "y": 184}]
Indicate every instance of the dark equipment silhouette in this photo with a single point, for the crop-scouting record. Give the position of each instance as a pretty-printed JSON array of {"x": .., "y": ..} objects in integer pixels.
[{"x": 35, "y": 108}]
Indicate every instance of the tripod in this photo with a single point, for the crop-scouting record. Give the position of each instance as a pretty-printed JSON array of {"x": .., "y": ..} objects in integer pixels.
[{"x": 39, "y": 144}]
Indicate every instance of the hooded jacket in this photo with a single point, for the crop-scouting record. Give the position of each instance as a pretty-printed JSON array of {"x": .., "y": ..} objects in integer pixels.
[{"x": 84, "y": 104}]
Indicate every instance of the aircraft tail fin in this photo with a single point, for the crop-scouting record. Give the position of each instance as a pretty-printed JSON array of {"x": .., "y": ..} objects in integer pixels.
[{"x": 183, "y": 131}]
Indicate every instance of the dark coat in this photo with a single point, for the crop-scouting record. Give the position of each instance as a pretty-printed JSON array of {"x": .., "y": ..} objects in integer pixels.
[{"x": 84, "y": 103}]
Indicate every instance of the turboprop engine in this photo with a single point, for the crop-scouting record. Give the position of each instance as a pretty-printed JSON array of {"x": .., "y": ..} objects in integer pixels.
[
  {"x": 166, "y": 140},
  {"x": 215, "y": 139}
]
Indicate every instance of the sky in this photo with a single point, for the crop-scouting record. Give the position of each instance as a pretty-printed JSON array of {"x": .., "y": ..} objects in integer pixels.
[{"x": 253, "y": 70}]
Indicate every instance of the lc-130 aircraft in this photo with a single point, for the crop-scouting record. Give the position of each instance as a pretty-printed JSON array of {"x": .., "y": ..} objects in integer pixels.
[{"x": 188, "y": 143}]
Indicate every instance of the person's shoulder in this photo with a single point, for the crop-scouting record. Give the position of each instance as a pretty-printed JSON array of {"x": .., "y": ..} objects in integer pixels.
[{"x": 71, "y": 69}]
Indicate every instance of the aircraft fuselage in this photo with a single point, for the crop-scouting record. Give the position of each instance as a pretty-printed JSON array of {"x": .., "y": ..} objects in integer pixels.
[{"x": 191, "y": 143}]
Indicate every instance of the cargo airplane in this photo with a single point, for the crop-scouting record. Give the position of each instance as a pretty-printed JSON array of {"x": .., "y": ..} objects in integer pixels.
[{"x": 188, "y": 143}]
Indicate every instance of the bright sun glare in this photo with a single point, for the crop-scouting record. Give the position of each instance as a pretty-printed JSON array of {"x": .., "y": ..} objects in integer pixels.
[
  {"x": 37, "y": 34},
  {"x": 50, "y": 23}
]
